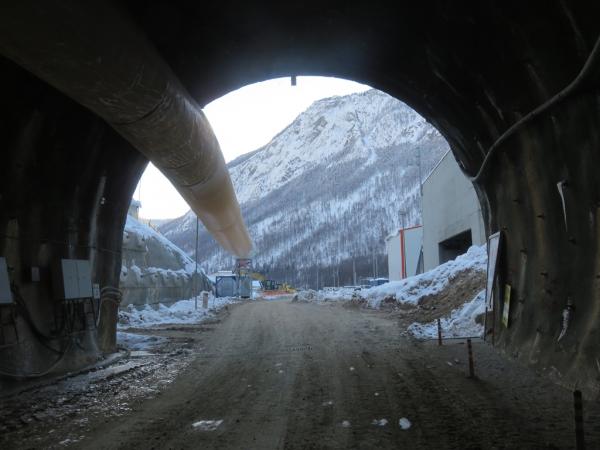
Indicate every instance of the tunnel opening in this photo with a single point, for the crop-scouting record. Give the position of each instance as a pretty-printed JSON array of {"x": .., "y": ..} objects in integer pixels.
[
  {"x": 316, "y": 179},
  {"x": 473, "y": 72}
]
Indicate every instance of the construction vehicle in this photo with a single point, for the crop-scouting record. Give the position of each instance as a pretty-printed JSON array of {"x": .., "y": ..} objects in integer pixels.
[{"x": 272, "y": 287}]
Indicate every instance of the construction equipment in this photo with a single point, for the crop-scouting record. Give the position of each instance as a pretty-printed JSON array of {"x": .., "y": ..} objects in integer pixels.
[{"x": 271, "y": 287}]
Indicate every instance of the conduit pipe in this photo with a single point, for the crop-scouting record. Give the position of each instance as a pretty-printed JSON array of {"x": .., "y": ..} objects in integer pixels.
[
  {"x": 93, "y": 53},
  {"x": 587, "y": 74}
]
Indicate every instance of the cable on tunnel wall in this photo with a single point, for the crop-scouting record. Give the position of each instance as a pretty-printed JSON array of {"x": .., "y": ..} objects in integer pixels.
[
  {"x": 118, "y": 74},
  {"x": 571, "y": 89},
  {"x": 57, "y": 242}
]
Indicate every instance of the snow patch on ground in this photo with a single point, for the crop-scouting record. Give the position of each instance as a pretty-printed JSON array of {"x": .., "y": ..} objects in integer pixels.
[
  {"x": 379, "y": 422},
  {"x": 207, "y": 425},
  {"x": 461, "y": 322},
  {"x": 181, "y": 312},
  {"x": 132, "y": 341},
  {"x": 404, "y": 423}
]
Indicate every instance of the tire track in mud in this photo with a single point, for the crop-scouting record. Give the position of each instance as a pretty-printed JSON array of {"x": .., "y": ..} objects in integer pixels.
[{"x": 270, "y": 369}]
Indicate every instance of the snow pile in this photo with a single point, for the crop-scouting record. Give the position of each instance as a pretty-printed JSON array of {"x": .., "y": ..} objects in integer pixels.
[
  {"x": 446, "y": 281},
  {"x": 330, "y": 295},
  {"x": 412, "y": 289},
  {"x": 461, "y": 322},
  {"x": 408, "y": 291},
  {"x": 133, "y": 226},
  {"x": 306, "y": 296},
  {"x": 180, "y": 312}
]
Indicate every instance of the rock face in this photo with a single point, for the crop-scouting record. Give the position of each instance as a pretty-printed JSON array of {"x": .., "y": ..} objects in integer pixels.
[
  {"x": 154, "y": 270},
  {"x": 327, "y": 190}
]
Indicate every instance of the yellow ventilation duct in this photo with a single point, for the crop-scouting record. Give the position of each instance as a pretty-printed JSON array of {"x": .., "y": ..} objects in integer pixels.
[{"x": 91, "y": 52}]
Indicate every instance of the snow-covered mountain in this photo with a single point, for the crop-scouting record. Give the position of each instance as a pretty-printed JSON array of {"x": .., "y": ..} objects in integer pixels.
[{"x": 327, "y": 190}]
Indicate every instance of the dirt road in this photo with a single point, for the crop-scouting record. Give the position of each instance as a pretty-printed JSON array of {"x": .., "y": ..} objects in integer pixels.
[{"x": 283, "y": 375}]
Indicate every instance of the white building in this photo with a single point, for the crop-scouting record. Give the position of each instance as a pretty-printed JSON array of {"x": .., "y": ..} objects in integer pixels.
[
  {"x": 452, "y": 219},
  {"x": 404, "y": 250}
]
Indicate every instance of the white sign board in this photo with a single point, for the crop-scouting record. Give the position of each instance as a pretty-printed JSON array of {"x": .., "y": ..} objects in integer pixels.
[{"x": 493, "y": 246}]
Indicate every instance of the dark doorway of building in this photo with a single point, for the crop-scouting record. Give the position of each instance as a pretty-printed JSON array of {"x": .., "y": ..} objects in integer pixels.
[{"x": 454, "y": 246}]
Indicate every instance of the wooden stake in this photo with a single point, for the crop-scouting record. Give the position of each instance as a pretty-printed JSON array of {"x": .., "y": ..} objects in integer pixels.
[
  {"x": 439, "y": 332},
  {"x": 471, "y": 365}
]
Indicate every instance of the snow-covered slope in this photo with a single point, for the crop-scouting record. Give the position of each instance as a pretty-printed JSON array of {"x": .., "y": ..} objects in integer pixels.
[
  {"x": 327, "y": 190},
  {"x": 158, "y": 251},
  {"x": 154, "y": 269},
  {"x": 330, "y": 132}
]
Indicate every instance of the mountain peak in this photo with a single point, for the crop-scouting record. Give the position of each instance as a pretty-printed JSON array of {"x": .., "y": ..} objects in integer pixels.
[
  {"x": 328, "y": 187},
  {"x": 337, "y": 127}
]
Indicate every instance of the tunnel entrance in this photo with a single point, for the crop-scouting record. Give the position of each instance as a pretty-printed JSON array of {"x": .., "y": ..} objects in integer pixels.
[
  {"x": 509, "y": 89},
  {"x": 455, "y": 246}
]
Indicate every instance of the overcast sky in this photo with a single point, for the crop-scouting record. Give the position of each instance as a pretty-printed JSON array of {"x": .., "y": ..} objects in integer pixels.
[{"x": 243, "y": 120}]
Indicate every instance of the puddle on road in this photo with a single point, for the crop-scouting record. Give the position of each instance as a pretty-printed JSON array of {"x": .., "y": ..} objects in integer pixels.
[{"x": 207, "y": 425}]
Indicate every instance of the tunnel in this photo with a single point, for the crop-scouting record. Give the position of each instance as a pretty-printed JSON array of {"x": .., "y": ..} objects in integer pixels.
[{"x": 512, "y": 86}]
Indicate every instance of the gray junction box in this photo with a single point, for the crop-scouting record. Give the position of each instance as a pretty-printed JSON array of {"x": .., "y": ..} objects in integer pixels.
[
  {"x": 5, "y": 294},
  {"x": 74, "y": 280}
]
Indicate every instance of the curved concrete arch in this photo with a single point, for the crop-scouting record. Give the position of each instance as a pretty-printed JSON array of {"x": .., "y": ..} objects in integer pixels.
[
  {"x": 117, "y": 74},
  {"x": 472, "y": 69}
]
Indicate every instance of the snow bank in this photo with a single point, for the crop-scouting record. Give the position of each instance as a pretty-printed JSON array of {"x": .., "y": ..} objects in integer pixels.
[
  {"x": 312, "y": 296},
  {"x": 412, "y": 289},
  {"x": 407, "y": 291},
  {"x": 461, "y": 322},
  {"x": 135, "y": 226},
  {"x": 180, "y": 312}
]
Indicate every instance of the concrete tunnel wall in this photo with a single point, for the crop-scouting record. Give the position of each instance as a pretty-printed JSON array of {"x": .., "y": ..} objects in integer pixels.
[
  {"x": 66, "y": 181},
  {"x": 471, "y": 69}
]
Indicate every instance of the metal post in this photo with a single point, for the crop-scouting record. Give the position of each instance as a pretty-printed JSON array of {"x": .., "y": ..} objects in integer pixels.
[
  {"x": 471, "y": 366},
  {"x": 373, "y": 262},
  {"x": 578, "y": 405},
  {"x": 196, "y": 274},
  {"x": 439, "y": 332},
  {"x": 485, "y": 323}
]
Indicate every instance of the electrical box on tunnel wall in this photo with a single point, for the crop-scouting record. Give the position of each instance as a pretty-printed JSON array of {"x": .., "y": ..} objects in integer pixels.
[
  {"x": 5, "y": 294},
  {"x": 74, "y": 279}
]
